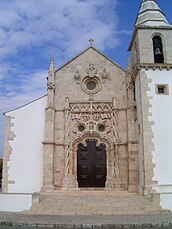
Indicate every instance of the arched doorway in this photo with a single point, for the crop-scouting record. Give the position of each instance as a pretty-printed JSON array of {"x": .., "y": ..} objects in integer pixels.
[
  {"x": 91, "y": 164},
  {"x": 111, "y": 178}
]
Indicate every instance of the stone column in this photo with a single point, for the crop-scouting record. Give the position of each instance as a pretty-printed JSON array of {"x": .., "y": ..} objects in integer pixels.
[
  {"x": 113, "y": 179},
  {"x": 48, "y": 144},
  {"x": 133, "y": 154}
]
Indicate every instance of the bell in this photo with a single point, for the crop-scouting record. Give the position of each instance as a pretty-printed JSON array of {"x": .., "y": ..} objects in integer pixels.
[{"x": 158, "y": 51}]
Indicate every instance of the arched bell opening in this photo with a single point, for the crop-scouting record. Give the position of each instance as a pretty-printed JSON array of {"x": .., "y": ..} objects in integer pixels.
[
  {"x": 91, "y": 164},
  {"x": 158, "y": 49}
]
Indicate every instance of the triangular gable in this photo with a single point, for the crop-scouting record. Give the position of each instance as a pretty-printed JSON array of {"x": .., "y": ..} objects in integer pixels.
[{"x": 90, "y": 47}]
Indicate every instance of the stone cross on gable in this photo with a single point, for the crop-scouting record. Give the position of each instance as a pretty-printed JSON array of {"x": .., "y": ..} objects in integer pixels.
[{"x": 91, "y": 42}]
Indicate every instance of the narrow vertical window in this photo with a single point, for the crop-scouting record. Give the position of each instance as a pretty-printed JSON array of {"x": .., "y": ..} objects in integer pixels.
[{"x": 158, "y": 50}]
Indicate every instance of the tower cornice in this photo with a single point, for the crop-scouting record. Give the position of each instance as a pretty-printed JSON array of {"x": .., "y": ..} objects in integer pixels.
[{"x": 152, "y": 66}]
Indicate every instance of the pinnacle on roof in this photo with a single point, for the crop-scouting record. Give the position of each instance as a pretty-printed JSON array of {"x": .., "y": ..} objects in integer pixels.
[{"x": 51, "y": 65}]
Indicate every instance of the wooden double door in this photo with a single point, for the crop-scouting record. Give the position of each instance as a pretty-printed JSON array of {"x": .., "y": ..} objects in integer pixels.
[{"x": 91, "y": 164}]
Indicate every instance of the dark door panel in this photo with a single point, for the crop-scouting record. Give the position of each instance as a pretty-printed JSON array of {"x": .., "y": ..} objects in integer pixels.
[{"x": 91, "y": 165}]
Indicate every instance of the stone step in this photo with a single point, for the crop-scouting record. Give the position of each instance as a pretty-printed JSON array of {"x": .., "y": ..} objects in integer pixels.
[
  {"x": 99, "y": 205},
  {"x": 92, "y": 212},
  {"x": 87, "y": 192},
  {"x": 97, "y": 209},
  {"x": 89, "y": 202}
]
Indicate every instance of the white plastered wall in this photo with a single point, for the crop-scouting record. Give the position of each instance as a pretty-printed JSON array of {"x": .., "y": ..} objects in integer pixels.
[
  {"x": 161, "y": 109},
  {"x": 15, "y": 202},
  {"x": 26, "y": 159}
]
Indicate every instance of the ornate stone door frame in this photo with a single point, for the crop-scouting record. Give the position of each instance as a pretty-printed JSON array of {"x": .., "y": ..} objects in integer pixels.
[
  {"x": 91, "y": 120},
  {"x": 113, "y": 176}
]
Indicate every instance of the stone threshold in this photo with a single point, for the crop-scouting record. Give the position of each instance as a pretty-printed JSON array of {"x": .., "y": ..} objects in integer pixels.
[{"x": 89, "y": 191}]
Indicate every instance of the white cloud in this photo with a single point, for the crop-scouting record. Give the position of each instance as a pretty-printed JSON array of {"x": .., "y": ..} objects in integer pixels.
[
  {"x": 29, "y": 23},
  {"x": 3, "y": 71},
  {"x": 55, "y": 27},
  {"x": 31, "y": 86}
]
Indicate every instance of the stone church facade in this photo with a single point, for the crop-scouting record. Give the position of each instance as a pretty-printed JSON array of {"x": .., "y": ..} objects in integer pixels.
[
  {"x": 99, "y": 126},
  {"x": 91, "y": 98}
]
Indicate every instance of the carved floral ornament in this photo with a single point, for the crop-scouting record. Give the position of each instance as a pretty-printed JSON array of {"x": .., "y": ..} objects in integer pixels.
[
  {"x": 130, "y": 82},
  {"x": 92, "y": 118},
  {"x": 77, "y": 76},
  {"x": 92, "y": 81},
  {"x": 50, "y": 85},
  {"x": 92, "y": 71}
]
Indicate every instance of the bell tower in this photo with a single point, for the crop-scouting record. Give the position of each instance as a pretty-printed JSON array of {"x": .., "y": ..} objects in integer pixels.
[
  {"x": 151, "y": 50},
  {"x": 151, "y": 40}
]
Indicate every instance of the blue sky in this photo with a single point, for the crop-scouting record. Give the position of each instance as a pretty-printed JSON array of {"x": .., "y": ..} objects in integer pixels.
[{"x": 31, "y": 32}]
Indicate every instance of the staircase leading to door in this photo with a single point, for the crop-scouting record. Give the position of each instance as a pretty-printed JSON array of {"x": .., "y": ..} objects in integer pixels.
[{"x": 93, "y": 202}]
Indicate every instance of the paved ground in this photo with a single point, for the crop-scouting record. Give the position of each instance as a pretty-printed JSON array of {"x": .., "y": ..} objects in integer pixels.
[
  {"x": 98, "y": 221},
  {"x": 24, "y": 227}
]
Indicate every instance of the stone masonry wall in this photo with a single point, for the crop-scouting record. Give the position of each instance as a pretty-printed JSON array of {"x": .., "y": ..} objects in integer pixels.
[{"x": 70, "y": 86}]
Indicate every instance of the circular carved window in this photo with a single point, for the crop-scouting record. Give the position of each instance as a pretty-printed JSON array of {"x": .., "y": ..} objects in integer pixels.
[
  {"x": 81, "y": 128},
  {"x": 101, "y": 127},
  {"x": 91, "y": 85}
]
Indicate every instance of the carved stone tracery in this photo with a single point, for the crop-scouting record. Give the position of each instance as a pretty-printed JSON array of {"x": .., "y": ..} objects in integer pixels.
[{"x": 90, "y": 116}]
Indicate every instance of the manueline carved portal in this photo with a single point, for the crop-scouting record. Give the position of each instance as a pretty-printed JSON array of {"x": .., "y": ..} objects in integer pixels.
[
  {"x": 91, "y": 164},
  {"x": 91, "y": 145}
]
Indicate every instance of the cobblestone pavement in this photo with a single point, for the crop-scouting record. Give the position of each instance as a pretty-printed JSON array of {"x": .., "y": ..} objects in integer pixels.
[
  {"x": 28, "y": 227},
  {"x": 98, "y": 221}
]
